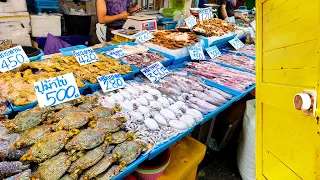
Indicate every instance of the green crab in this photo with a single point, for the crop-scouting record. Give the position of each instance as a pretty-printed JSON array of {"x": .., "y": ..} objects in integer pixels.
[
  {"x": 48, "y": 146},
  {"x": 74, "y": 120},
  {"x": 30, "y": 136},
  {"x": 86, "y": 161},
  {"x": 110, "y": 173},
  {"x": 101, "y": 112},
  {"x": 129, "y": 151},
  {"x": 121, "y": 136},
  {"x": 57, "y": 116},
  {"x": 108, "y": 124},
  {"x": 27, "y": 120},
  {"x": 87, "y": 139},
  {"x": 54, "y": 168},
  {"x": 66, "y": 177},
  {"x": 100, "y": 167}
]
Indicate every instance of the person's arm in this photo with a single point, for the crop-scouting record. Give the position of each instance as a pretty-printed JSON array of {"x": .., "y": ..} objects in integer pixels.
[
  {"x": 134, "y": 9},
  {"x": 223, "y": 10},
  {"x": 103, "y": 18}
]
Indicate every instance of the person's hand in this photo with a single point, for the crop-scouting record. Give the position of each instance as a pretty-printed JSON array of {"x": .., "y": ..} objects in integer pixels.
[
  {"x": 138, "y": 8},
  {"x": 124, "y": 15}
]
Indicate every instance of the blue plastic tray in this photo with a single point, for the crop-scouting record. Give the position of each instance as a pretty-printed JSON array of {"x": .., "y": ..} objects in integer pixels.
[
  {"x": 68, "y": 51},
  {"x": 131, "y": 167},
  {"x": 9, "y": 110},
  {"x": 181, "y": 60},
  {"x": 216, "y": 42},
  {"x": 238, "y": 54},
  {"x": 38, "y": 57}
]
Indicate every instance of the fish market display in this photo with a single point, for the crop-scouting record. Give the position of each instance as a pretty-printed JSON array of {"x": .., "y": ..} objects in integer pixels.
[
  {"x": 129, "y": 49},
  {"x": 228, "y": 77},
  {"x": 143, "y": 59},
  {"x": 242, "y": 62},
  {"x": 18, "y": 85},
  {"x": 68, "y": 141},
  {"x": 248, "y": 50},
  {"x": 214, "y": 27},
  {"x": 154, "y": 116},
  {"x": 174, "y": 40}
]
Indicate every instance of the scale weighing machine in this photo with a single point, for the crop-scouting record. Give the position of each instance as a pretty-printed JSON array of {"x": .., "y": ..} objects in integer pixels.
[{"x": 141, "y": 22}]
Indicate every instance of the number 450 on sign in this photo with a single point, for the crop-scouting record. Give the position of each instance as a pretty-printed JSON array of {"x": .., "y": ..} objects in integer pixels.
[{"x": 12, "y": 58}]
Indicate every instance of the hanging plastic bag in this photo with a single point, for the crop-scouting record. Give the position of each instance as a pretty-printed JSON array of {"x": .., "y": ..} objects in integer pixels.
[{"x": 246, "y": 148}]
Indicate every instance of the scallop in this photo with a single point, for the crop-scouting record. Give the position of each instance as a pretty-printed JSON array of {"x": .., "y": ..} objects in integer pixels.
[
  {"x": 127, "y": 105},
  {"x": 118, "y": 97},
  {"x": 143, "y": 101},
  {"x": 125, "y": 94},
  {"x": 180, "y": 125},
  {"x": 188, "y": 119},
  {"x": 148, "y": 96},
  {"x": 151, "y": 124},
  {"x": 168, "y": 114},
  {"x": 154, "y": 92},
  {"x": 195, "y": 114},
  {"x": 160, "y": 119},
  {"x": 144, "y": 109}
]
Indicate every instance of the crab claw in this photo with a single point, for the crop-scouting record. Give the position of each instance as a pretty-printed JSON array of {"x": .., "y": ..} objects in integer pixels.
[
  {"x": 130, "y": 136},
  {"x": 121, "y": 119},
  {"x": 108, "y": 139},
  {"x": 115, "y": 109},
  {"x": 10, "y": 125},
  {"x": 92, "y": 124},
  {"x": 26, "y": 157},
  {"x": 74, "y": 132},
  {"x": 91, "y": 117},
  {"x": 115, "y": 157},
  {"x": 122, "y": 164}
]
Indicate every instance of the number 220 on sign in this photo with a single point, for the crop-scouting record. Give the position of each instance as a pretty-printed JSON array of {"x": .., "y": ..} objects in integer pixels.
[{"x": 12, "y": 58}]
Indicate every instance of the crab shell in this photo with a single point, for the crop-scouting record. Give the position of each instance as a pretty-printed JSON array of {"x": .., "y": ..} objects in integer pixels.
[
  {"x": 47, "y": 146},
  {"x": 129, "y": 151},
  {"x": 66, "y": 177},
  {"x": 86, "y": 139},
  {"x": 110, "y": 173},
  {"x": 11, "y": 168},
  {"x": 30, "y": 136},
  {"x": 89, "y": 159},
  {"x": 74, "y": 120},
  {"x": 100, "y": 112},
  {"x": 56, "y": 117},
  {"x": 100, "y": 167},
  {"x": 121, "y": 136},
  {"x": 54, "y": 168},
  {"x": 109, "y": 125}
]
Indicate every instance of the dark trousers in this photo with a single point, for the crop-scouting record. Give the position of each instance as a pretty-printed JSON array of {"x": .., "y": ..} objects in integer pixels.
[{"x": 109, "y": 35}]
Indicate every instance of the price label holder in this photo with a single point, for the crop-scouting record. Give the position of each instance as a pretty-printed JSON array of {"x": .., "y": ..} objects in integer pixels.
[
  {"x": 231, "y": 20},
  {"x": 213, "y": 52},
  {"x": 117, "y": 53},
  {"x": 143, "y": 36},
  {"x": 111, "y": 82},
  {"x": 196, "y": 53},
  {"x": 12, "y": 58},
  {"x": 85, "y": 56},
  {"x": 253, "y": 25},
  {"x": 236, "y": 43},
  {"x": 191, "y": 21},
  {"x": 56, "y": 90},
  {"x": 205, "y": 13},
  {"x": 155, "y": 72}
]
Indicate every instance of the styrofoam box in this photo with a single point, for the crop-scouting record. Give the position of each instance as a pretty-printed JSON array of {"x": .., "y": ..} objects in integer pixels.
[
  {"x": 43, "y": 24},
  {"x": 12, "y": 28},
  {"x": 13, "y": 6},
  {"x": 21, "y": 17},
  {"x": 23, "y": 40}
]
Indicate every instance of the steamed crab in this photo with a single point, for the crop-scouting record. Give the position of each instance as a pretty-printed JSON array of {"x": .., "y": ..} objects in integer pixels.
[
  {"x": 30, "y": 136},
  {"x": 129, "y": 150},
  {"x": 48, "y": 146},
  {"x": 27, "y": 120},
  {"x": 10, "y": 168},
  {"x": 110, "y": 173},
  {"x": 66, "y": 177},
  {"x": 121, "y": 136},
  {"x": 56, "y": 117},
  {"x": 100, "y": 112},
  {"x": 74, "y": 120},
  {"x": 100, "y": 167},
  {"x": 108, "y": 124}
]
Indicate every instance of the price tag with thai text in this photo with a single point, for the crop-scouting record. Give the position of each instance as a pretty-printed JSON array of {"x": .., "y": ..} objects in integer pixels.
[
  {"x": 231, "y": 20},
  {"x": 253, "y": 24},
  {"x": 190, "y": 21},
  {"x": 213, "y": 52},
  {"x": 111, "y": 82},
  {"x": 205, "y": 13},
  {"x": 12, "y": 58},
  {"x": 85, "y": 56},
  {"x": 56, "y": 90},
  {"x": 144, "y": 36},
  {"x": 236, "y": 43},
  {"x": 196, "y": 53},
  {"x": 155, "y": 72},
  {"x": 117, "y": 53}
]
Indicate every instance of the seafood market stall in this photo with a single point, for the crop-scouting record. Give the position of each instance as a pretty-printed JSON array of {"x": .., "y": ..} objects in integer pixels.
[{"x": 100, "y": 113}]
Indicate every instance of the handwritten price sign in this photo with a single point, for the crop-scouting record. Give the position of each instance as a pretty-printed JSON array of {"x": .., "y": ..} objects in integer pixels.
[
  {"x": 111, "y": 82},
  {"x": 236, "y": 43},
  {"x": 205, "y": 13},
  {"x": 213, "y": 52},
  {"x": 196, "y": 53},
  {"x": 144, "y": 36},
  {"x": 117, "y": 53},
  {"x": 12, "y": 58},
  {"x": 85, "y": 56},
  {"x": 56, "y": 90},
  {"x": 190, "y": 21},
  {"x": 155, "y": 72}
]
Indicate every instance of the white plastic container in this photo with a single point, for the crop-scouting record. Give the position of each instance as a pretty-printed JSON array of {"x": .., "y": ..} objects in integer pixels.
[
  {"x": 21, "y": 17},
  {"x": 43, "y": 24},
  {"x": 13, "y": 6}
]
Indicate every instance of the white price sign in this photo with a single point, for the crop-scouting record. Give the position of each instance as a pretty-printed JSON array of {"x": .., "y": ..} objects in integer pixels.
[
  {"x": 253, "y": 24},
  {"x": 231, "y": 20},
  {"x": 236, "y": 43},
  {"x": 144, "y": 36},
  {"x": 111, "y": 82},
  {"x": 117, "y": 53},
  {"x": 196, "y": 53},
  {"x": 56, "y": 90},
  {"x": 213, "y": 52},
  {"x": 205, "y": 13},
  {"x": 12, "y": 58},
  {"x": 85, "y": 56},
  {"x": 155, "y": 72},
  {"x": 191, "y": 21}
]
